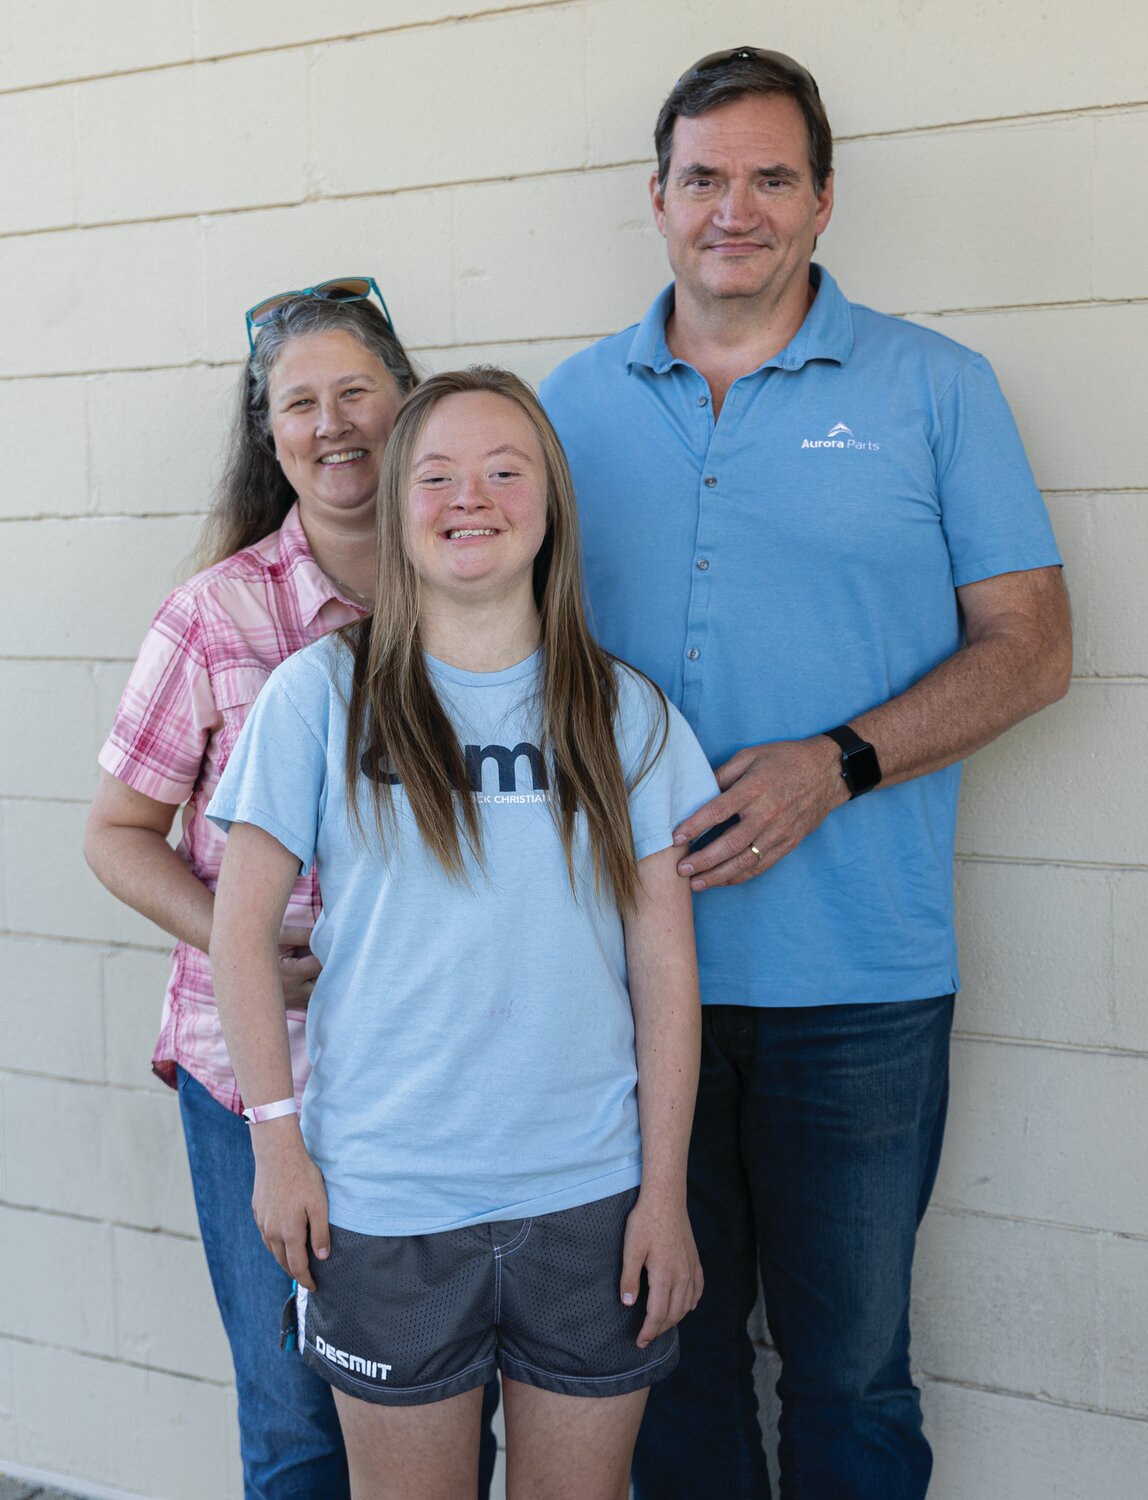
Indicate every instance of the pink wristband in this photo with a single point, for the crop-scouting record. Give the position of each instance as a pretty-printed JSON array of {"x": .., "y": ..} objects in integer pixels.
[{"x": 260, "y": 1112}]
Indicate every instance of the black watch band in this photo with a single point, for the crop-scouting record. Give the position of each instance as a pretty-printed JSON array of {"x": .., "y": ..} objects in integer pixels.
[{"x": 860, "y": 768}]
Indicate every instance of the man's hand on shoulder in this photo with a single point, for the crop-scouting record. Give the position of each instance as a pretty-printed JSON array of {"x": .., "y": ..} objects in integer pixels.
[
  {"x": 780, "y": 792},
  {"x": 1017, "y": 658}
]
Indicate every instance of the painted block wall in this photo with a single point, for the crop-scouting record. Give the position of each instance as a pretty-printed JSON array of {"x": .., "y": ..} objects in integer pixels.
[{"x": 166, "y": 166}]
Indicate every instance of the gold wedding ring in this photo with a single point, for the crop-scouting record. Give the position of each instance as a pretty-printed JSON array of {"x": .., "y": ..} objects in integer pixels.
[{"x": 754, "y": 850}]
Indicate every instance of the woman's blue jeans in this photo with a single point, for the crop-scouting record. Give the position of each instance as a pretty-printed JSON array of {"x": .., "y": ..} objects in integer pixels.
[
  {"x": 815, "y": 1147},
  {"x": 289, "y": 1435}
]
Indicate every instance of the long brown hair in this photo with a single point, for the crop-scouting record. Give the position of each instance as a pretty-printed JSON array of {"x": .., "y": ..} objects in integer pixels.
[
  {"x": 254, "y": 496},
  {"x": 395, "y": 718}
]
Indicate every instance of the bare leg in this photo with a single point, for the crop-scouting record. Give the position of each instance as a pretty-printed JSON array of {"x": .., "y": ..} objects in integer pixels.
[
  {"x": 412, "y": 1452},
  {"x": 569, "y": 1447}
]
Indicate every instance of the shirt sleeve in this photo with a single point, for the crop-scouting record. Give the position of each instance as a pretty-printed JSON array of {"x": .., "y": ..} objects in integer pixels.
[
  {"x": 277, "y": 773},
  {"x": 168, "y": 712},
  {"x": 993, "y": 515},
  {"x": 666, "y": 784}
]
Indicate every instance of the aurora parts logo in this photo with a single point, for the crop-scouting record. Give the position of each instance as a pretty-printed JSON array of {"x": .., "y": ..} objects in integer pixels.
[{"x": 840, "y": 436}]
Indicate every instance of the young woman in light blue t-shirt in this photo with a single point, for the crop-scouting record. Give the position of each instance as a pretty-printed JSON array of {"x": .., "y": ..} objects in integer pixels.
[{"x": 490, "y": 1169}]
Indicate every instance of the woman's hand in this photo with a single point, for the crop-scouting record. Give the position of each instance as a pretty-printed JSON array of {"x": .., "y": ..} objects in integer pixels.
[
  {"x": 298, "y": 967},
  {"x": 659, "y": 1239},
  {"x": 290, "y": 1199}
]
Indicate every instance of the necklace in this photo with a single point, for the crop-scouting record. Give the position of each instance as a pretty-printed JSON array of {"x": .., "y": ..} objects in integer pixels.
[{"x": 345, "y": 588}]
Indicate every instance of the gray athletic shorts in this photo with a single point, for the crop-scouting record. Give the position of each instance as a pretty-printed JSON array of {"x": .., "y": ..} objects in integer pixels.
[{"x": 406, "y": 1320}]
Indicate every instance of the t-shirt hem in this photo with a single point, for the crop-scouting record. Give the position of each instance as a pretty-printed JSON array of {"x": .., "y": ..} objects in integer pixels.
[
  {"x": 346, "y": 1214},
  {"x": 225, "y": 817},
  {"x": 654, "y": 844},
  {"x": 870, "y": 989}
]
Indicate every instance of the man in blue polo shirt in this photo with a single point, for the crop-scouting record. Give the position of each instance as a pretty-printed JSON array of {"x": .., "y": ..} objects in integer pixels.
[{"x": 815, "y": 527}]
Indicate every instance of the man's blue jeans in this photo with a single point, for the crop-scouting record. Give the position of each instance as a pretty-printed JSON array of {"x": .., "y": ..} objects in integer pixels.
[{"x": 815, "y": 1148}]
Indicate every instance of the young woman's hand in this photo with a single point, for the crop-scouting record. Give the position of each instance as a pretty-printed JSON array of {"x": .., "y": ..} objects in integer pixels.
[
  {"x": 659, "y": 1240},
  {"x": 290, "y": 1199}
]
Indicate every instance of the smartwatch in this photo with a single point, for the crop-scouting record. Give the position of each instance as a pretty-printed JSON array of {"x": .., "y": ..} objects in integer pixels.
[{"x": 860, "y": 769}]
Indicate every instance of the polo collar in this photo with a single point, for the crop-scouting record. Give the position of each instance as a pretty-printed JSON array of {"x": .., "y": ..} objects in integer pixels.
[
  {"x": 826, "y": 333},
  {"x": 649, "y": 345}
]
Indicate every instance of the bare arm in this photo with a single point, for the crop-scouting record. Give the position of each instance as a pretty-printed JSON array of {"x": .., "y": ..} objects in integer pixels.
[
  {"x": 1017, "y": 659},
  {"x": 125, "y": 843},
  {"x": 667, "y": 1024},
  {"x": 290, "y": 1202}
]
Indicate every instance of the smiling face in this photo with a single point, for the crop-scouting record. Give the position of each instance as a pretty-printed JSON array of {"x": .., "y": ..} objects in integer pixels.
[
  {"x": 332, "y": 406},
  {"x": 739, "y": 210},
  {"x": 477, "y": 512}
]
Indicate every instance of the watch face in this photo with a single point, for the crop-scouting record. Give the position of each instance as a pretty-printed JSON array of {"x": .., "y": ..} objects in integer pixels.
[{"x": 860, "y": 768}]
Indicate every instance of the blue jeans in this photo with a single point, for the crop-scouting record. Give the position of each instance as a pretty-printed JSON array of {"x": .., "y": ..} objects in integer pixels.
[
  {"x": 289, "y": 1434},
  {"x": 815, "y": 1147}
]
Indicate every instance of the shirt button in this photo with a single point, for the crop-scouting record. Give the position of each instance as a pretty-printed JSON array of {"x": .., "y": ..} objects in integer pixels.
[
  {"x": 703, "y": 564},
  {"x": 710, "y": 481},
  {"x": 693, "y": 653},
  {"x": 703, "y": 400}
]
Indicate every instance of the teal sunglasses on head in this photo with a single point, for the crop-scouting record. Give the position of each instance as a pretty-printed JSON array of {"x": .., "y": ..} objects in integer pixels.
[{"x": 342, "y": 289}]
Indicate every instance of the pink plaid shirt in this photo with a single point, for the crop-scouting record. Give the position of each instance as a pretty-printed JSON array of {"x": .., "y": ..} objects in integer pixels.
[{"x": 211, "y": 647}]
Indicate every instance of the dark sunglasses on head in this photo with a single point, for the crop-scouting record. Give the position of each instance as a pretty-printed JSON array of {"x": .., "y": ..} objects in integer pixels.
[
  {"x": 341, "y": 289},
  {"x": 752, "y": 54}
]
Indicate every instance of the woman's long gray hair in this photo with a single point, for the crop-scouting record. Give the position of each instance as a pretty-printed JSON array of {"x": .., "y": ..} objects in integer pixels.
[{"x": 254, "y": 496}]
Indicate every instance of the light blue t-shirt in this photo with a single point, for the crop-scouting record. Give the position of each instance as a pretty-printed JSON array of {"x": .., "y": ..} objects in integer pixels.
[
  {"x": 472, "y": 1043},
  {"x": 783, "y": 570}
]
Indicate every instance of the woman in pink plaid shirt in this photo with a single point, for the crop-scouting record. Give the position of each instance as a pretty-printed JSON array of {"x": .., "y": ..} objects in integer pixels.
[{"x": 291, "y": 542}]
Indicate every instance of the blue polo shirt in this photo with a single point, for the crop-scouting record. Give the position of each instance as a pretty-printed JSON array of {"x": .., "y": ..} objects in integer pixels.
[{"x": 786, "y": 568}]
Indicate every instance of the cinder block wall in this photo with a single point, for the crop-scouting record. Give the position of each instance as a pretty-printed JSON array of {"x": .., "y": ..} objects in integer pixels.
[{"x": 164, "y": 167}]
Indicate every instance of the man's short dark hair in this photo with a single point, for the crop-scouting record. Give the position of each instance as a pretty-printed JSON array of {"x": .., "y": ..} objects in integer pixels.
[{"x": 727, "y": 76}]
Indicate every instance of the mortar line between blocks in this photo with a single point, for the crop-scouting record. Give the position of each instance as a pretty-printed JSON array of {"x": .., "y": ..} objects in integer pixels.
[
  {"x": 997, "y": 1390},
  {"x": 524, "y": 340},
  {"x": 1053, "y": 861},
  {"x": 960, "y": 1211},
  {"x": 111, "y": 1359},
  {"x": 75, "y": 1218},
  {"x": 1088, "y": 1048},
  {"x": 456, "y": 19}
]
